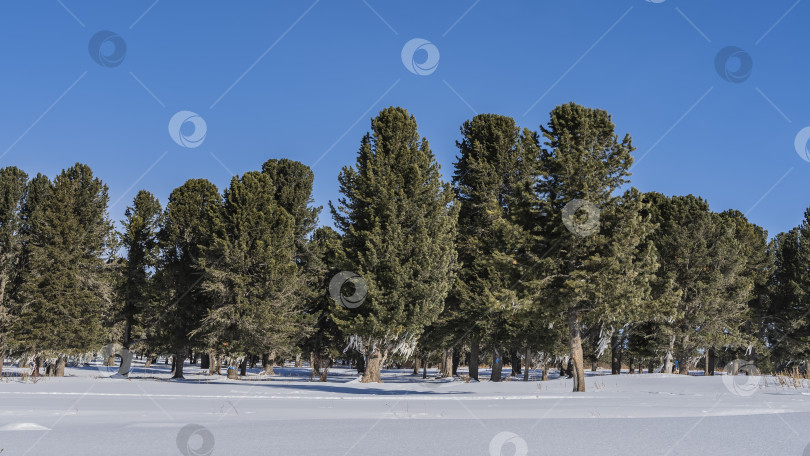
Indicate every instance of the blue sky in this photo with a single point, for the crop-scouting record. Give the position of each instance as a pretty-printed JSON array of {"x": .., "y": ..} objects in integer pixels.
[{"x": 301, "y": 79}]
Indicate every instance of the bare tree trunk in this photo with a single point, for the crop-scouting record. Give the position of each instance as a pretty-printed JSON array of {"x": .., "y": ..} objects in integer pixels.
[
  {"x": 515, "y": 358},
  {"x": 455, "y": 360},
  {"x": 631, "y": 367},
  {"x": 575, "y": 331},
  {"x": 205, "y": 361},
  {"x": 710, "y": 361},
  {"x": 528, "y": 365},
  {"x": 497, "y": 366},
  {"x": 683, "y": 358},
  {"x": 37, "y": 365},
  {"x": 269, "y": 362},
  {"x": 416, "y": 366},
  {"x": 615, "y": 354},
  {"x": 148, "y": 362},
  {"x": 668, "y": 357},
  {"x": 473, "y": 361},
  {"x": 216, "y": 362},
  {"x": 59, "y": 370},
  {"x": 376, "y": 359},
  {"x": 179, "y": 359},
  {"x": 298, "y": 360},
  {"x": 2, "y": 360},
  {"x": 424, "y": 368},
  {"x": 594, "y": 366},
  {"x": 243, "y": 367},
  {"x": 232, "y": 370},
  {"x": 446, "y": 366},
  {"x": 545, "y": 372}
]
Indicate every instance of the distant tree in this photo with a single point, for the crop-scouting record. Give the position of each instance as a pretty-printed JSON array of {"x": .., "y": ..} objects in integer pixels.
[
  {"x": 141, "y": 226},
  {"x": 192, "y": 222},
  {"x": 66, "y": 289},
  {"x": 398, "y": 225}
]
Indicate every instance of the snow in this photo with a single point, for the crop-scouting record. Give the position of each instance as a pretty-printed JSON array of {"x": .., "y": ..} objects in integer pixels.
[{"x": 89, "y": 413}]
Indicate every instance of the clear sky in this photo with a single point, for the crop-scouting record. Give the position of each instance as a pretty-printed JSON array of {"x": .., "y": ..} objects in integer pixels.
[{"x": 301, "y": 79}]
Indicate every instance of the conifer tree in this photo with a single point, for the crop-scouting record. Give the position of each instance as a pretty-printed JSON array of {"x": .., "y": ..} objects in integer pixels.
[
  {"x": 141, "y": 225},
  {"x": 13, "y": 189},
  {"x": 493, "y": 179},
  {"x": 66, "y": 289},
  {"x": 398, "y": 225},
  {"x": 191, "y": 224},
  {"x": 253, "y": 284}
]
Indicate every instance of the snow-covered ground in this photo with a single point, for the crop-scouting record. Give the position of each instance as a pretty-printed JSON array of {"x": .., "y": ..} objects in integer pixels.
[{"x": 88, "y": 413}]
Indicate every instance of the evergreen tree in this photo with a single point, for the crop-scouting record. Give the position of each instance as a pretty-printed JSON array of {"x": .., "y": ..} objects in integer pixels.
[
  {"x": 192, "y": 222},
  {"x": 493, "y": 182},
  {"x": 584, "y": 161},
  {"x": 141, "y": 225},
  {"x": 66, "y": 289},
  {"x": 254, "y": 281},
  {"x": 13, "y": 189},
  {"x": 398, "y": 225}
]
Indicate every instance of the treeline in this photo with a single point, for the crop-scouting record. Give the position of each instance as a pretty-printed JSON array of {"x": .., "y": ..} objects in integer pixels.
[{"x": 536, "y": 253}]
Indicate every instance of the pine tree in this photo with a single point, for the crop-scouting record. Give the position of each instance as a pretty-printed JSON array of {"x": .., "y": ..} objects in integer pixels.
[
  {"x": 493, "y": 179},
  {"x": 583, "y": 159},
  {"x": 253, "y": 283},
  {"x": 13, "y": 189},
  {"x": 66, "y": 289},
  {"x": 398, "y": 225},
  {"x": 140, "y": 230},
  {"x": 191, "y": 224}
]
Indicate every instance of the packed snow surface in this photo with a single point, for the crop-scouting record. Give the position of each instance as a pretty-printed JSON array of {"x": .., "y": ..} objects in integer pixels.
[{"x": 89, "y": 413}]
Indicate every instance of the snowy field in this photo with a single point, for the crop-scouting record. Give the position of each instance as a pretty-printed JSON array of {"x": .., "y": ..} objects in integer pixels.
[{"x": 88, "y": 413}]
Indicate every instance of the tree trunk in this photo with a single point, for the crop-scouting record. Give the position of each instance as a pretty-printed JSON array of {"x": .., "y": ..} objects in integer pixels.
[
  {"x": 232, "y": 370},
  {"x": 269, "y": 362},
  {"x": 668, "y": 357},
  {"x": 594, "y": 366},
  {"x": 2, "y": 360},
  {"x": 615, "y": 354},
  {"x": 216, "y": 362},
  {"x": 651, "y": 367},
  {"x": 545, "y": 372},
  {"x": 446, "y": 366},
  {"x": 424, "y": 368},
  {"x": 243, "y": 367},
  {"x": 59, "y": 370},
  {"x": 497, "y": 366},
  {"x": 298, "y": 361},
  {"x": 110, "y": 361},
  {"x": 528, "y": 365},
  {"x": 710, "y": 361},
  {"x": 631, "y": 367},
  {"x": 376, "y": 359},
  {"x": 416, "y": 366},
  {"x": 455, "y": 360},
  {"x": 575, "y": 332},
  {"x": 683, "y": 358},
  {"x": 473, "y": 360},
  {"x": 126, "y": 362},
  {"x": 179, "y": 359},
  {"x": 37, "y": 365},
  {"x": 205, "y": 361},
  {"x": 148, "y": 362},
  {"x": 515, "y": 358}
]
